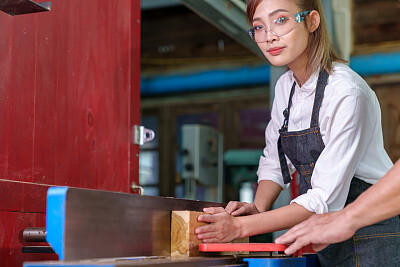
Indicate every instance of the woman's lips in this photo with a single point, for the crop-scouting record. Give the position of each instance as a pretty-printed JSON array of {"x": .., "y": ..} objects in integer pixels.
[{"x": 275, "y": 50}]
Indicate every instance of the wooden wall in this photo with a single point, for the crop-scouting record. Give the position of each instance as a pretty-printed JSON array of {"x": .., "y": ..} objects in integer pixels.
[
  {"x": 69, "y": 95},
  {"x": 388, "y": 94},
  {"x": 376, "y": 26}
]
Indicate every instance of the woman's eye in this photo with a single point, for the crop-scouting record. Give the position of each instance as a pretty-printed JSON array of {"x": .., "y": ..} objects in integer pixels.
[
  {"x": 258, "y": 28},
  {"x": 281, "y": 20}
]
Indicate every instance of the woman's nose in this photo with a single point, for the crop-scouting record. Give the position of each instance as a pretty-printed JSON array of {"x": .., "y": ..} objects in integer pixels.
[{"x": 270, "y": 36}]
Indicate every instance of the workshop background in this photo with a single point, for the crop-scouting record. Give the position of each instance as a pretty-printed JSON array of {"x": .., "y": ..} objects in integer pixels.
[{"x": 76, "y": 80}]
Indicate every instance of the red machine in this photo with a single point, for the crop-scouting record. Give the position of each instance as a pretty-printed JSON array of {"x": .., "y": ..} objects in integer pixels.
[{"x": 69, "y": 98}]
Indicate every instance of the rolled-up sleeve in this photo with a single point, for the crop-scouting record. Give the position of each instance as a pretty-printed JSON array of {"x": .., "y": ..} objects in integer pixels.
[{"x": 349, "y": 129}]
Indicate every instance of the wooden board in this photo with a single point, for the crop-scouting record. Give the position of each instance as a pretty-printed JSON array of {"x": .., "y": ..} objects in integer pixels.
[{"x": 184, "y": 242}]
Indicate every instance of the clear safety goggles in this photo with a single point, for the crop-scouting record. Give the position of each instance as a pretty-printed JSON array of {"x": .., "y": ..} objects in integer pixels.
[{"x": 278, "y": 26}]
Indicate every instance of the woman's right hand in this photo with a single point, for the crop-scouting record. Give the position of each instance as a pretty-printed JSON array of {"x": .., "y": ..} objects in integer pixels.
[{"x": 236, "y": 208}]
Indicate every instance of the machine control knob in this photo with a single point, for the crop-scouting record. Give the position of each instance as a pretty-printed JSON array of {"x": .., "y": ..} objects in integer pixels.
[{"x": 189, "y": 167}]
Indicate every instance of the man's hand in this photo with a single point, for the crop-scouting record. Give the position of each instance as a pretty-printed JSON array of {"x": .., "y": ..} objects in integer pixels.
[{"x": 319, "y": 230}]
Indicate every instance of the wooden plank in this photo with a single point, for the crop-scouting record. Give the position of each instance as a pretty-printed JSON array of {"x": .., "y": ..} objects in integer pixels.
[
  {"x": 184, "y": 242},
  {"x": 22, "y": 197},
  {"x": 377, "y": 12},
  {"x": 376, "y": 22},
  {"x": 372, "y": 48},
  {"x": 87, "y": 58},
  {"x": 21, "y": 100},
  {"x": 5, "y": 88},
  {"x": 67, "y": 99},
  {"x": 376, "y": 33},
  {"x": 134, "y": 89},
  {"x": 389, "y": 95},
  {"x": 44, "y": 162},
  {"x": 109, "y": 134}
]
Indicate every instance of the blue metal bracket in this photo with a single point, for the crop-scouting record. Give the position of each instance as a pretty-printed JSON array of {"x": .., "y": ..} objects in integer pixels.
[
  {"x": 276, "y": 262},
  {"x": 55, "y": 219},
  {"x": 20, "y": 7}
]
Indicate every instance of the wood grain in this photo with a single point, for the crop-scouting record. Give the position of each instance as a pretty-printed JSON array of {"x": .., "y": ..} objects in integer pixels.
[{"x": 184, "y": 242}]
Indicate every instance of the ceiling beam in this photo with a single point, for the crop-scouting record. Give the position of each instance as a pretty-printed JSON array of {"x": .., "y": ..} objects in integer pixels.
[{"x": 227, "y": 15}]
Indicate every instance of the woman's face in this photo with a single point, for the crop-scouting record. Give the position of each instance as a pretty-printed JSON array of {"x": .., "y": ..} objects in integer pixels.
[{"x": 288, "y": 49}]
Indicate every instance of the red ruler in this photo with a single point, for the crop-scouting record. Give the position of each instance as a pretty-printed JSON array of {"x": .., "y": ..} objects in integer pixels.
[{"x": 251, "y": 247}]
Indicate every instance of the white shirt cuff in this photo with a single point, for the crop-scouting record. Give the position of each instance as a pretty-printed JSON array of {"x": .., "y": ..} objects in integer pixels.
[{"x": 312, "y": 201}]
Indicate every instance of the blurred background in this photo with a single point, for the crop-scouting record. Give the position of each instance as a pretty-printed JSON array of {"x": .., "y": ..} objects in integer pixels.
[
  {"x": 84, "y": 85},
  {"x": 206, "y": 90}
]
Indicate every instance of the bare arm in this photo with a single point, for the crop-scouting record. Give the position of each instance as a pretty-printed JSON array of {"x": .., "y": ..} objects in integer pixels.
[
  {"x": 267, "y": 193},
  {"x": 274, "y": 220},
  {"x": 223, "y": 227},
  {"x": 378, "y": 203}
]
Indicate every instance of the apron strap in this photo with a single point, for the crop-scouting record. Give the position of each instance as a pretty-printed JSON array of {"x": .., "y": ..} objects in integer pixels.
[
  {"x": 286, "y": 112},
  {"x": 282, "y": 160},
  {"x": 319, "y": 95}
]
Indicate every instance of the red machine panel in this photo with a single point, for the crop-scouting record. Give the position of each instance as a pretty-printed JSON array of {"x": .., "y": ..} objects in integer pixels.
[{"x": 69, "y": 96}]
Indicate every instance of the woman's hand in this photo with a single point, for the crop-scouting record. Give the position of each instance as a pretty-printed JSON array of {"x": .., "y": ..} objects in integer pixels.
[
  {"x": 222, "y": 226},
  {"x": 236, "y": 208}
]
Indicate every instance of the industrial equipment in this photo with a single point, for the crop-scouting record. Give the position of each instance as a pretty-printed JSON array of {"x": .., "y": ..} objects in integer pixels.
[
  {"x": 202, "y": 162},
  {"x": 88, "y": 227}
]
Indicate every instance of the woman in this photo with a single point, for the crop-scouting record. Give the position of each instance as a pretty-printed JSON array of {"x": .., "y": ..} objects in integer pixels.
[{"x": 325, "y": 122}]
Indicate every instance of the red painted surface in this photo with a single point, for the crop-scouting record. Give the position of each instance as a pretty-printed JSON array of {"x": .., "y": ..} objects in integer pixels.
[
  {"x": 135, "y": 83},
  {"x": 294, "y": 186},
  {"x": 69, "y": 96},
  {"x": 11, "y": 245},
  {"x": 253, "y": 247},
  {"x": 250, "y": 247}
]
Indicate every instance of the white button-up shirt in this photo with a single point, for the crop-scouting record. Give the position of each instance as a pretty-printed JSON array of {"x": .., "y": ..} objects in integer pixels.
[{"x": 350, "y": 124}]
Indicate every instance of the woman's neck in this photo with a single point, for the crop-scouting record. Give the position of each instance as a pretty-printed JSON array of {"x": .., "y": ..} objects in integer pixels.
[
  {"x": 301, "y": 69},
  {"x": 301, "y": 76}
]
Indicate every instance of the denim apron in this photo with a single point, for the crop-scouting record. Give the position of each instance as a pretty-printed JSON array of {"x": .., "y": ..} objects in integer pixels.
[{"x": 372, "y": 245}]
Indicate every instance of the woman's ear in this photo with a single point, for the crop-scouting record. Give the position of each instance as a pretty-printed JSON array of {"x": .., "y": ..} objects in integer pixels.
[{"x": 313, "y": 21}]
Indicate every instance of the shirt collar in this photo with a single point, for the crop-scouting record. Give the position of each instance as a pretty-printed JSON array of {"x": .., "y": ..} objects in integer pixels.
[{"x": 309, "y": 86}]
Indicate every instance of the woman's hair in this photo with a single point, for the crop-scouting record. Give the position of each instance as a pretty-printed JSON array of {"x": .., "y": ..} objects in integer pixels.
[{"x": 320, "y": 49}]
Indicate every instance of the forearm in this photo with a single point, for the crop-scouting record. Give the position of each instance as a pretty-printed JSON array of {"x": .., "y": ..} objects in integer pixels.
[
  {"x": 267, "y": 193},
  {"x": 378, "y": 203},
  {"x": 271, "y": 221}
]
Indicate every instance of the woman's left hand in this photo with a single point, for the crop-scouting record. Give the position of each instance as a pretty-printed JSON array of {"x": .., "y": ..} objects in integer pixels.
[{"x": 222, "y": 227}]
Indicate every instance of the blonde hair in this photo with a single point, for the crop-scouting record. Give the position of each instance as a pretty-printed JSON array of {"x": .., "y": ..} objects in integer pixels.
[{"x": 320, "y": 50}]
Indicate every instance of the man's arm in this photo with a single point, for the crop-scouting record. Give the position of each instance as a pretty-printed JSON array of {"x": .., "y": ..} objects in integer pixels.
[{"x": 378, "y": 203}]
